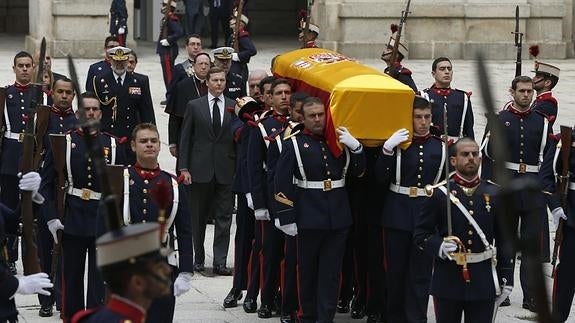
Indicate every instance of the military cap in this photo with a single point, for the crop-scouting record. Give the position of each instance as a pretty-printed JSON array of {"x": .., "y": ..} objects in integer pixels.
[
  {"x": 244, "y": 105},
  {"x": 545, "y": 68},
  {"x": 312, "y": 27},
  {"x": 119, "y": 53},
  {"x": 402, "y": 49},
  {"x": 129, "y": 245},
  {"x": 172, "y": 3},
  {"x": 223, "y": 52},
  {"x": 243, "y": 19}
]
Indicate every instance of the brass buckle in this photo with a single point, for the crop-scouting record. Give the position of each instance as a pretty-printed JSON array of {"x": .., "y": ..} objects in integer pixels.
[
  {"x": 522, "y": 168},
  {"x": 327, "y": 185},
  {"x": 86, "y": 193},
  {"x": 21, "y": 137},
  {"x": 412, "y": 191}
]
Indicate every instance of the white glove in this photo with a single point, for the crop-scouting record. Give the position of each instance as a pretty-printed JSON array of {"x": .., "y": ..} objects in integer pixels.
[
  {"x": 262, "y": 214},
  {"x": 505, "y": 292},
  {"x": 397, "y": 138},
  {"x": 250, "y": 200},
  {"x": 182, "y": 284},
  {"x": 31, "y": 182},
  {"x": 558, "y": 214},
  {"x": 34, "y": 284},
  {"x": 121, "y": 30},
  {"x": 164, "y": 42},
  {"x": 235, "y": 57},
  {"x": 348, "y": 140},
  {"x": 446, "y": 248},
  {"x": 54, "y": 225},
  {"x": 289, "y": 229},
  {"x": 206, "y": 10}
]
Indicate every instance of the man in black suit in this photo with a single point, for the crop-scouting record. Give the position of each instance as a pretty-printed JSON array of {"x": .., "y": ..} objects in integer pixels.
[{"x": 207, "y": 160}]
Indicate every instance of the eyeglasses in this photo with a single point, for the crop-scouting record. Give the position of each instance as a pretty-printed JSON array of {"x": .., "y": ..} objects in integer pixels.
[{"x": 92, "y": 108}]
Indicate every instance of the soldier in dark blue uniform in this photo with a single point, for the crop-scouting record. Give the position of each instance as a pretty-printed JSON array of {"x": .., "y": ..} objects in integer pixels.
[
  {"x": 406, "y": 172},
  {"x": 119, "y": 21},
  {"x": 126, "y": 99},
  {"x": 545, "y": 79},
  {"x": 235, "y": 82},
  {"x": 316, "y": 208},
  {"x": 139, "y": 181},
  {"x": 167, "y": 46},
  {"x": 459, "y": 111},
  {"x": 10, "y": 284},
  {"x": 80, "y": 209},
  {"x": 246, "y": 48},
  {"x": 395, "y": 69},
  {"x": 102, "y": 66},
  {"x": 133, "y": 265},
  {"x": 525, "y": 132},
  {"x": 258, "y": 170},
  {"x": 476, "y": 285}
]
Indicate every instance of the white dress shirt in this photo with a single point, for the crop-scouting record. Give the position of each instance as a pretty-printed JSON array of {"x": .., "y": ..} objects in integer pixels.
[{"x": 220, "y": 106}]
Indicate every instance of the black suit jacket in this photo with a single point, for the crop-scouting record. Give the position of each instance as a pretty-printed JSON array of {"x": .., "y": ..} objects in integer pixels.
[
  {"x": 204, "y": 154},
  {"x": 183, "y": 92}
]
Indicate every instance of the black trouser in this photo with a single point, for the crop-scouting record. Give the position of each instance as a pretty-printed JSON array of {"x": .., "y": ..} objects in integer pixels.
[
  {"x": 217, "y": 198},
  {"x": 218, "y": 16},
  {"x": 408, "y": 277},
  {"x": 376, "y": 300},
  {"x": 45, "y": 244},
  {"x": 254, "y": 270},
  {"x": 320, "y": 255},
  {"x": 564, "y": 284},
  {"x": 162, "y": 309},
  {"x": 272, "y": 254},
  {"x": 10, "y": 196},
  {"x": 449, "y": 311},
  {"x": 346, "y": 283},
  {"x": 289, "y": 276},
  {"x": 243, "y": 242},
  {"x": 74, "y": 252}
]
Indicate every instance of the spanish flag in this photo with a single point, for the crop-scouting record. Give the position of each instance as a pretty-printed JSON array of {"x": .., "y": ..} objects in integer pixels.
[{"x": 371, "y": 104}]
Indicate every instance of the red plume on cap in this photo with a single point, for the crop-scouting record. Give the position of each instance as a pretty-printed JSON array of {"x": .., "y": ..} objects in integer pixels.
[
  {"x": 161, "y": 194},
  {"x": 394, "y": 28},
  {"x": 534, "y": 50},
  {"x": 303, "y": 13}
]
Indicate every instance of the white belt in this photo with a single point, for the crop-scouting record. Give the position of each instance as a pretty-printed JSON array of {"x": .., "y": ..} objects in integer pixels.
[
  {"x": 85, "y": 193},
  {"x": 473, "y": 258},
  {"x": 522, "y": 167},
  {"x": 14, "y": 135},
  {"x": 572, "y": 186},
  {"x": 326, "y": 185},
  {"x": 410, "y": 191}
]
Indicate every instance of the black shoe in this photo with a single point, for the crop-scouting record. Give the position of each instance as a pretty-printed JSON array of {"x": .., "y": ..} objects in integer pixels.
[
  {"x": 357, "y": 311},
  {"x": 199, "y": 267},
  {"x": 529, "y": 304},
  {"x": 287, "y": 319},
  {"x": 12, "y": 268},
  {"x": 222, "y": 270},
  {"x": 46, "y": 311},
  {"x": 250, "y": 305},
  {"x": 232, "y": 299},
  {"x": 374, "y": 318},
  {"x": 506, "y": 302},
  {"x": 265, "y": 311},
  {"x": 342, "y": 306}
]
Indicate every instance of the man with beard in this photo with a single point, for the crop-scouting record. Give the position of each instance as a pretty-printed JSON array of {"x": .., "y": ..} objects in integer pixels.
[
  {"x": 476, "y": 285},
  {"x": 235, "y": 82},
  {"x": 102, "y": 66},
  {"x": 457, "y": 102},
  {"x": 525, "y": 133},
  {"x": 545, "y": 79}
]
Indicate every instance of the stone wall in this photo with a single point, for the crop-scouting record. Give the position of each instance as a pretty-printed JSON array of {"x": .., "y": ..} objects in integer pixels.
[{"x": 447, "y": 27}]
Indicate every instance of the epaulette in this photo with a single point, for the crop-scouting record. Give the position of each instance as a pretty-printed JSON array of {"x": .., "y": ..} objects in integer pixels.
[
  {"x": 546, "y": 97},
  {"x": 468, "y": 93},
  {"x": 429, "y": 188},
  {"x": 548, "y": 117},
  {"x": 244, "y": 33},
  {"x": 120, "y": 140},
  {"x": 405, "y": 71}
]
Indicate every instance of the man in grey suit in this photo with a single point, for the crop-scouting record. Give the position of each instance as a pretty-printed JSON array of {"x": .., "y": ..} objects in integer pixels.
[{"x": 207, "y": 160}]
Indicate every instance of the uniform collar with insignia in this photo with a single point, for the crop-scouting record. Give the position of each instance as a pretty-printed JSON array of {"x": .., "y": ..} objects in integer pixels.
[
  {"x": 61, "y": 113},
  {"x": 147, "y": 173},
  {"x": 441, "y": 91},
  {"x": 126, "y": 308},
  {"x": 466, "y": 183},
  {"x": 420, "y": 139},
  {"x": 22, "y": 87},
  {"x": 311, "y": 134},
  {"x": 518, "y": 113}
]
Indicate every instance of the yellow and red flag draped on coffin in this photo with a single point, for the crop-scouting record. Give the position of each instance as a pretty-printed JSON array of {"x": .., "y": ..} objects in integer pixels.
[{"x": 371, "y": 104}]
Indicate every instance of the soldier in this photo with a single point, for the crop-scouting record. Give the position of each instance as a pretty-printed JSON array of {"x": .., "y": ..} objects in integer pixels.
[
  {"x": 62, "y": 117},
  {"x": 246, "y": 48},
  {"x": 484, "y": 278},
  {"x": 119, "y": 21},
  {"x": 134, "y": 267},
  {"x": 11, "y": 285},
  {"x": 125, "y": 98},
  {"x": 457, "y": 102},
  {"x": 139, "y": 181},
  {"x": 185, "y": 69},
  {"x": 103, "y": 66},
  {"x": 545, "y": 79},
  {"x": 526, "y": 133},
  {"x": 316, "y": 208},
  {"x": 235, "y": 83},
  {"x": 407, "y": 172},
  {"x": 220, "y": 11},
  {"x": 186, "y": 90},
  {"x": 258, "y": 169},
  {"x": 254, "y": 85},
  {"x": 395, "y": 69},
  {"x": 79, "y": 208},
  {"x": 167, "y": 46},
  {"x": 310, "y": 36}
]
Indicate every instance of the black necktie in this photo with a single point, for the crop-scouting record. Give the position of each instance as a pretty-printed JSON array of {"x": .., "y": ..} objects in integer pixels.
[
  {"x": 216, "y": 120},
  {"x": 119, "y": 80}
]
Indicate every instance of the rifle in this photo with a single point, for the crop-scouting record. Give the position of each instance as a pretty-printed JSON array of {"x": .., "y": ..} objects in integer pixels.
[
  {"x": 58, "y": 144},
  {"x": 563, "y": 188},
  {"x": 236, "y": 36},
  {"x": 307, "y": 18},
  {"x": 395, "y": 51},
  {"x": 164, "y": 28},
  {"x": 30, "y": 260},
  {"x": 518, "y": 43},
  {"x": 2, "y": 107}
]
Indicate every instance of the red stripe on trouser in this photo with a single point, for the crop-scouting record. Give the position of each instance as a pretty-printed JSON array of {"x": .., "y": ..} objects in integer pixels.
[
  {"x": 168, "y": 67},
  {"x": 122, "y": 39},
  {"x": 250, "y": 265}
]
